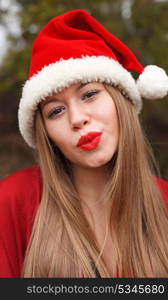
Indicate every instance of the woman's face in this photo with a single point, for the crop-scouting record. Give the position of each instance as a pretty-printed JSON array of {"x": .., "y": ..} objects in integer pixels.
[{"x": 82, "y": 110}]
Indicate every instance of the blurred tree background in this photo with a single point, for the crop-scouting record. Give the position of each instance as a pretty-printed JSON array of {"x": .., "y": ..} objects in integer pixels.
[{"x": 141, "y": 24}]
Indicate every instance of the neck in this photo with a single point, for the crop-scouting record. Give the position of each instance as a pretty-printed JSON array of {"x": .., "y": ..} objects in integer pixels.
[{"x": 90, "y": 183}]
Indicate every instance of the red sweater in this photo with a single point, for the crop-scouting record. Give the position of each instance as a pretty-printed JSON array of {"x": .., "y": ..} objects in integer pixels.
[{"x": 20, "y": 195}]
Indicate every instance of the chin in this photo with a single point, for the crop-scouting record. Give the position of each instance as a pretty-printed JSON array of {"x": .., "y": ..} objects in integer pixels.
[{"x": 99, "y": 161}]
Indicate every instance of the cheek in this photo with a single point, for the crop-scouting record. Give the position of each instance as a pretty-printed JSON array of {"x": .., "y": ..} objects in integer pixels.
[
  {"x": 108, "y": 114},
  {"x": 112, "y": 126},
  {"x": 55, "y": 132}
]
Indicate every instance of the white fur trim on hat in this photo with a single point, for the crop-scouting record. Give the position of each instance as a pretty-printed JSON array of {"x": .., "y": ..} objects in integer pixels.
[
  {"x": 153, "y": 83},
  {"x": 56, "y": 76}
]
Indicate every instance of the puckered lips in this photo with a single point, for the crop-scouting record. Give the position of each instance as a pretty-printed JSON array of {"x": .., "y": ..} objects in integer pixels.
[{"x": 89, "y": 141}]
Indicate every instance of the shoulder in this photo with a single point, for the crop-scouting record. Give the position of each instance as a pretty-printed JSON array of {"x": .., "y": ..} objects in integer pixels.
[
  {"x": 22, "y": 182},
  {"x": 22, "y": 178},
  {"x": 20, "y": 194},
  {"x": 23, "y": 186},
  {"x": 163, "y": 186}
]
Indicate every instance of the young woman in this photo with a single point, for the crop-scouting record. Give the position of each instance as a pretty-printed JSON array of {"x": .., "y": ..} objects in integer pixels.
[{"x": 94, "y": 205}]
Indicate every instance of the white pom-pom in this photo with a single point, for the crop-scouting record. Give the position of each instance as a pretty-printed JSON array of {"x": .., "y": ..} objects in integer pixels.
[{"x": 153, "y": 83}]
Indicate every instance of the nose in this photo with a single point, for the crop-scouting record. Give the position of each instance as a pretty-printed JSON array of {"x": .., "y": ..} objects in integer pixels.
[{"x": 78, "y": 117}]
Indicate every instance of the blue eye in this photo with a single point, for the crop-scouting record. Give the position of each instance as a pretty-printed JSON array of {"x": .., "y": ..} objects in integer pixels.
[
  {"x": 89, "y": 94},
  {"x": 56, "y": 111}
]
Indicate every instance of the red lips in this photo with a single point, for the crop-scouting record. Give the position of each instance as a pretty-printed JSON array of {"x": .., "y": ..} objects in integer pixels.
[{"x": 89, "y": 141}]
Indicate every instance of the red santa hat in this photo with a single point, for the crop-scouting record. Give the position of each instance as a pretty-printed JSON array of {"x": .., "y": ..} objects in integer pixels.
[{"x": 74, "y": 47}]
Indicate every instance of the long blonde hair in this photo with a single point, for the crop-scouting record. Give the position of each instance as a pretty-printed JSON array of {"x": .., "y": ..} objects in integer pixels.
[{"x": 62, "y": 244}]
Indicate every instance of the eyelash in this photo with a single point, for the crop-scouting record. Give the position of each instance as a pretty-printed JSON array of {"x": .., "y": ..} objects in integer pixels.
[
  {"x": 86, "y": 96},
  {"x": 90, "y": 94}
]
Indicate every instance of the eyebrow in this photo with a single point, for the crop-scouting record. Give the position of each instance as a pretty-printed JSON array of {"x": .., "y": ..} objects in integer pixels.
[
  {"x": 46, "y": 101},
  {"x": 81, "y": 86}
]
